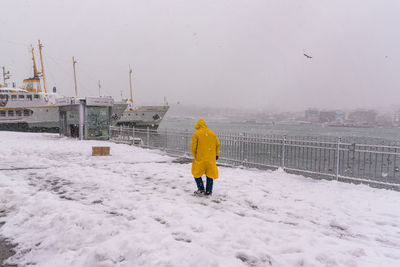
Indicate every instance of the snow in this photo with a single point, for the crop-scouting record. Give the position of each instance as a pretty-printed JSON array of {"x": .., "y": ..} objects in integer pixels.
[{"x": 64, "y": 207}]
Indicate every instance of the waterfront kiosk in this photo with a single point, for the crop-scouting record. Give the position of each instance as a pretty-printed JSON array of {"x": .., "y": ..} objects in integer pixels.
[{"x": 85, "y": 118}]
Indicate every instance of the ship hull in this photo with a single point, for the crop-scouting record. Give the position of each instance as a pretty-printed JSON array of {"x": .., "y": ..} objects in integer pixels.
[
  {"x": 143, "y": 117},
  {"x": 28, "y": 112},
  {"x": 26, "y": 127},
  {"x": 48, "y": 122}
]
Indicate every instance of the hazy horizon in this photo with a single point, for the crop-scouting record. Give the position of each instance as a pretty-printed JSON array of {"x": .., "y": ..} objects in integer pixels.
[{"x": 237, "y": 54}]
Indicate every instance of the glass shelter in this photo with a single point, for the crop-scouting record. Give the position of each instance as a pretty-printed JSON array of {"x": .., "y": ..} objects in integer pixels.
[{"x": 85, "y": 118}]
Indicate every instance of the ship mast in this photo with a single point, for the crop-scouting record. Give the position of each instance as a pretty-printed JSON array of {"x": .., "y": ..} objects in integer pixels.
[
  {"x": 6, "y": 76},
  {"x": 41, "y": 62},
  {"x": 35, "y": 71},
  {"x": 130, "y": 83},
  {"x": 73, "y": 65}
]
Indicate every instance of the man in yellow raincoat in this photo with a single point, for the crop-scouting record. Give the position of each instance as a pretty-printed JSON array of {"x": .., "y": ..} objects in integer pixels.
[{"x": 205, "y": 150}]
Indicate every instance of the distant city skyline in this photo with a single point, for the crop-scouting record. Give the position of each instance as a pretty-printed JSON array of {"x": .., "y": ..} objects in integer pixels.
[
  {"x": 356, "y": 116},
  {"x": 277, "y": 55}
]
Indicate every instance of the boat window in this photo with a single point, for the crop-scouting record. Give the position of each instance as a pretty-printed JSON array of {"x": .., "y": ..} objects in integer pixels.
[
  {"x": 27, "y": 112},
  {"x": 2, "y": 113},
  {"x": 36, "y": 96},
  {"x": 13, "y": 97},
  {"x": 18, "y": 113},
  {"x": 11, "y": 113},
  {"x": 21, "y": 97},
  {"x": 29, "y": 97}
]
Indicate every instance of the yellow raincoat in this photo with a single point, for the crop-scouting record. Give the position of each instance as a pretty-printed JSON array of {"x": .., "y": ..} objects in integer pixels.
[{"x": 205, "y": 147}]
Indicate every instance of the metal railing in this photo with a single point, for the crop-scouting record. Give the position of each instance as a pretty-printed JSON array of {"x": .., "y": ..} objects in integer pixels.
[{"x": 327, "y": 157}]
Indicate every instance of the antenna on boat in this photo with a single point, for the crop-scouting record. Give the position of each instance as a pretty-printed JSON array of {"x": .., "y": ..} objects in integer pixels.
[
  {"x": 130, "y": 83},
  {"x": 73, "y": 65},
  {"x": 41, "y": 63},
  {"x": 6, "y": 76}
]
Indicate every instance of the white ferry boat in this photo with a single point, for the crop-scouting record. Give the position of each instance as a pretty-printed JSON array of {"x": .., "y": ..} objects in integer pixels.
[
  {"x": 28, "y": 108},
  {"x": 31, "y": 109},
  {"x": 141, "y": 116},
  {"x": 23, "y": 110}
]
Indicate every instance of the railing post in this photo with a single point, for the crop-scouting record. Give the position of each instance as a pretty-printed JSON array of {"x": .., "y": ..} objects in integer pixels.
[
  {"x": 283, "y": 151},
  {"x": 120, "y": 133},
  {"x": 133, "y": 135},
  {"x": 241, "y": 147},
  {"x": 245, "y": 149},
  {"x": 165, "y": 139},
  {"x": 148, "y": 137},
  {"x": 337, "y": 157},
  {"x": 186, "y": 141}
]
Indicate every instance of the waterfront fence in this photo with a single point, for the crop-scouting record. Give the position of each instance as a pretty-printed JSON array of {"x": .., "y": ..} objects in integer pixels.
[{"x": 326, "y": 157}]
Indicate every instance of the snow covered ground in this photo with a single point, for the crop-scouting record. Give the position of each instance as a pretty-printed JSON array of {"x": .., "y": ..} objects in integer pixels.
[{"x": 64, "y": 207}]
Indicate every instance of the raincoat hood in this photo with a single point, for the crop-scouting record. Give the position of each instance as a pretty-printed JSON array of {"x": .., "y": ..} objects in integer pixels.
[{"x": 200, "y": 124}]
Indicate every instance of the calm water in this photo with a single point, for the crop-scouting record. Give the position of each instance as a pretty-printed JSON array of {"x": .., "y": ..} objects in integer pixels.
[{"x": 375, "y": 135}]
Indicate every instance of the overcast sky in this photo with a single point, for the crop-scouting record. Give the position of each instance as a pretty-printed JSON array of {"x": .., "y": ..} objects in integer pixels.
[{"x": 226, "y": 53}]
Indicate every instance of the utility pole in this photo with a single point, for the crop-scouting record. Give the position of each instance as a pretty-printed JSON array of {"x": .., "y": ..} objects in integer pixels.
[
  {"x": 6, "y": 76},
  {"x": 99, "y": 87},
  {"x": 41, "y": 63},
  {"x": 73, "y": 65},
  {"x": 130, "y": 83}
]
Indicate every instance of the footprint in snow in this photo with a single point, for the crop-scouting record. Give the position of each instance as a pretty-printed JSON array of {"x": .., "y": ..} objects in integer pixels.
[
  {"x": 181, "y": 237},
  {"x": 160, "y": 220},
  {"x": 197, "y": 229},
  {"x": 289, "y": 223},
  {"x": 337, "y": 226},
  {"x": 252, "y": 205},
  {"x": 264, "y": 260},
  {"x": 241, "y": 214},
  {"x": 115, "y": 213}
]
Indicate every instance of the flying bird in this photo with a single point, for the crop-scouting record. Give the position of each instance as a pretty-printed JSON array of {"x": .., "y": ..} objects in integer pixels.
[{"x": 307, "y": 56}]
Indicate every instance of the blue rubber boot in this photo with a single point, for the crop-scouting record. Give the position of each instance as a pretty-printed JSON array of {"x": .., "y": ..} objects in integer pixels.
[
  {"x": 209, "y": 186},
  {"x": 200, "y": 186}
]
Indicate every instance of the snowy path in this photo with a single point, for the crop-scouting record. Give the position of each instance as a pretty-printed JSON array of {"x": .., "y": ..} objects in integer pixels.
[{"x": 64, "y": 207}]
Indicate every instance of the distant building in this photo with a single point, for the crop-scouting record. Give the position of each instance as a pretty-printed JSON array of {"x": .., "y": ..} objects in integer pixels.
[
  {"x": 327, "y": 116},
  {"x": 396, "y": 118},
  {"x": 340, "y": 115},
  {"x": 332, "y": 116},
  {"x": 312, "y": 115},
  {"x": 384, "y": 120},
  {"x": 362, "y": 117}
]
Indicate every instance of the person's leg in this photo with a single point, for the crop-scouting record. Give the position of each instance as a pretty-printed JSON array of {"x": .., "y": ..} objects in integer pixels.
[
  {"x": 199, "y": 183},
  {"x": 209, "y": 186}
]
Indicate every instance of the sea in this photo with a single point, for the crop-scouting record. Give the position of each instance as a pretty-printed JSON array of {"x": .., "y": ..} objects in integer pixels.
[
  {"x": 371, "y": 153},
  {"x": 379, "y": 135}
]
